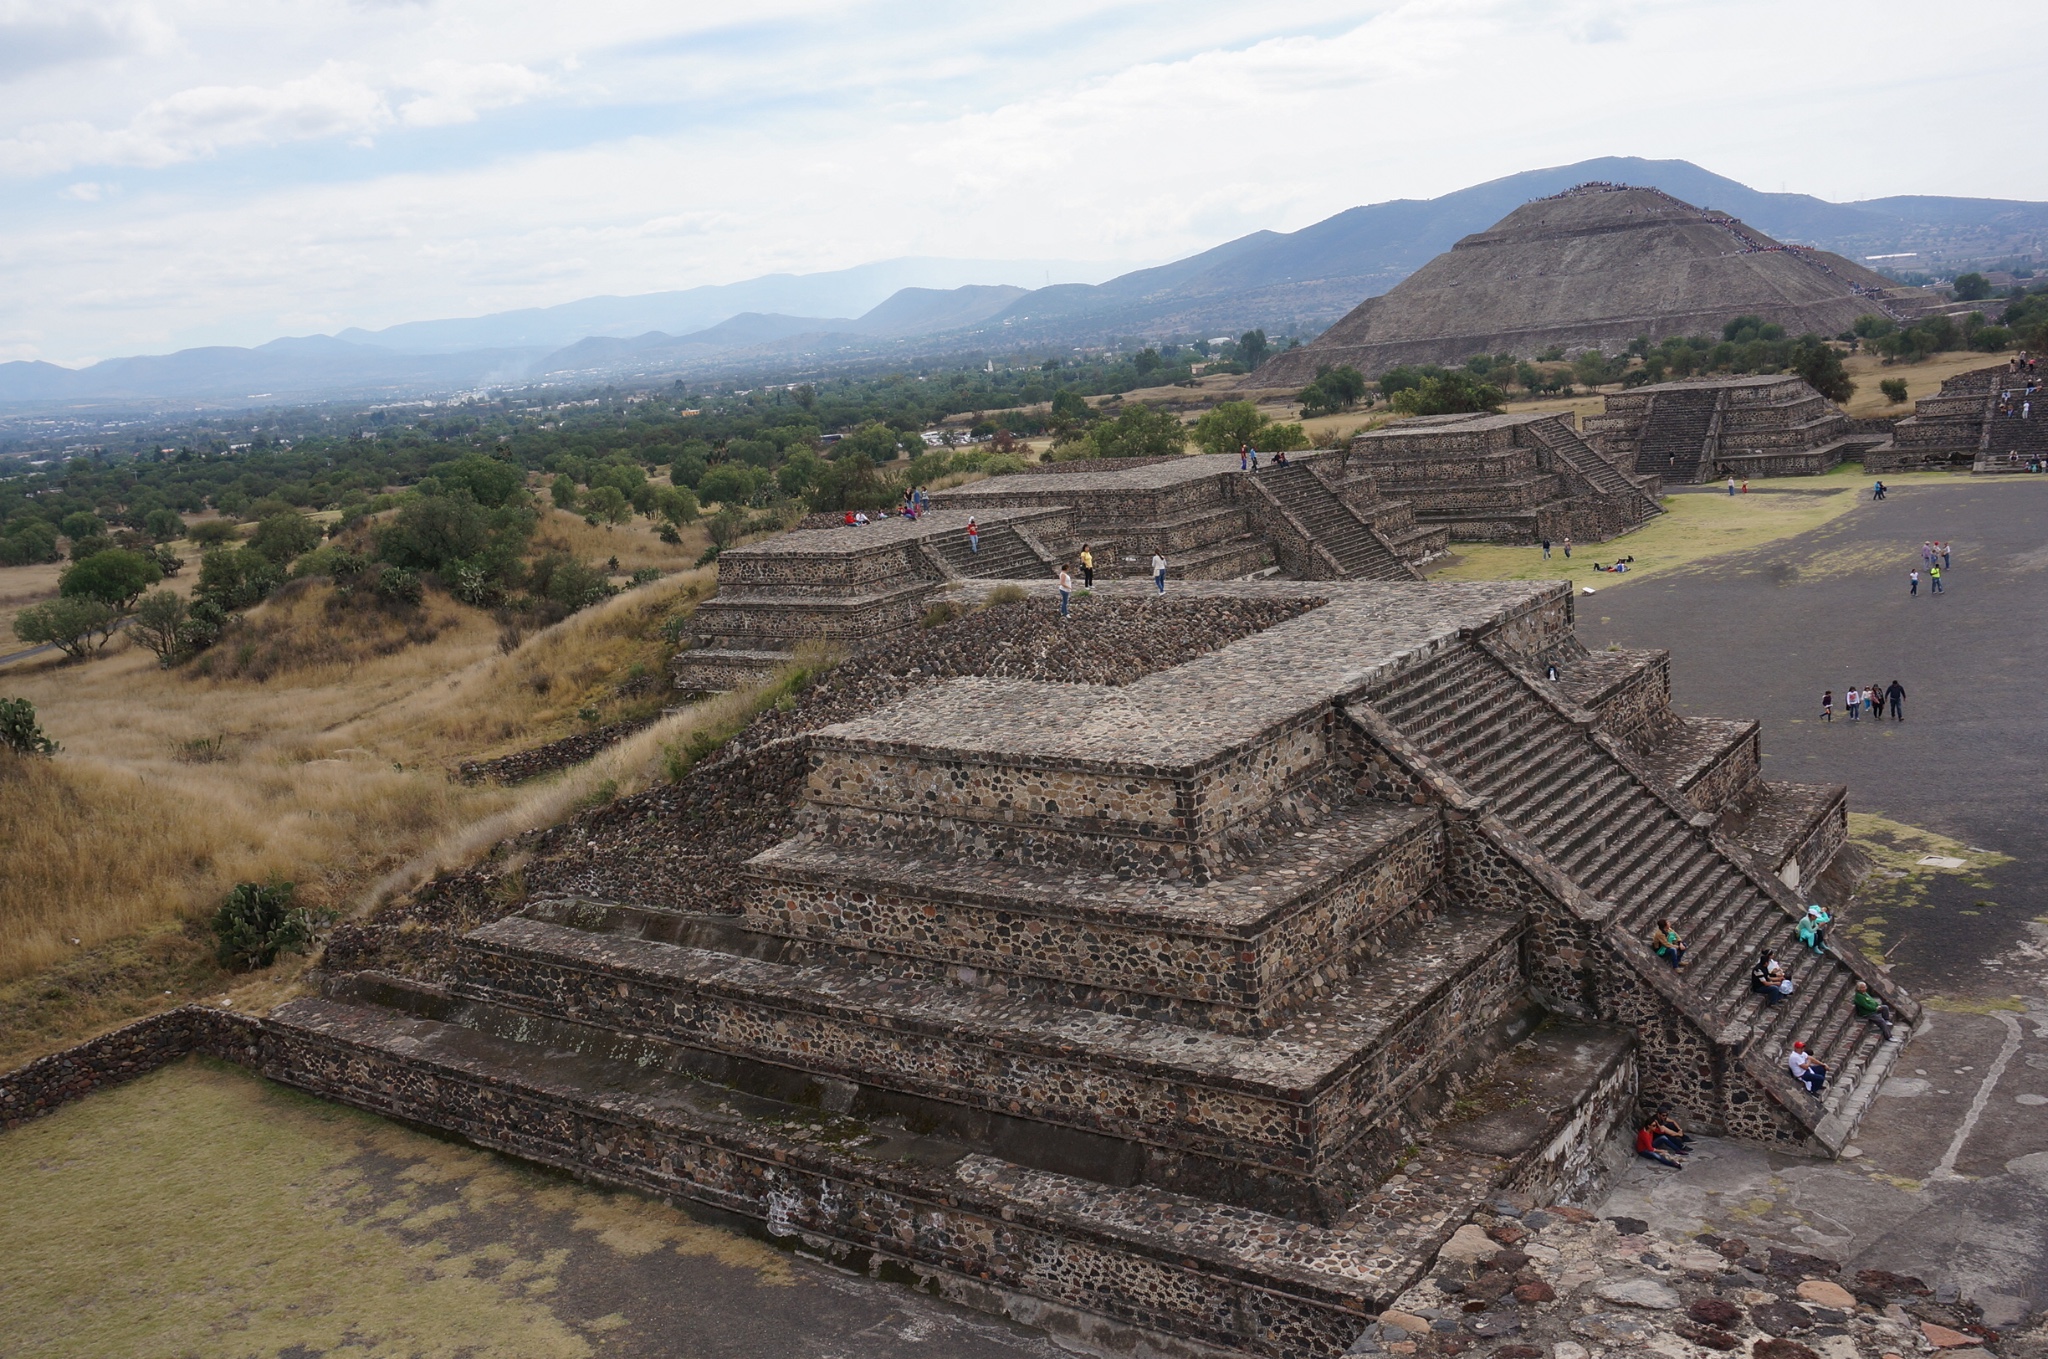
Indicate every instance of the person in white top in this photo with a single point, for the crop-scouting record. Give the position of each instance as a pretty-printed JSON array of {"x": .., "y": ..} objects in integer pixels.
[
  {"x": 1159, "y": 572},
  {"x": 1066, "y": 590},
  {"x": 1808, "y": 1070}
]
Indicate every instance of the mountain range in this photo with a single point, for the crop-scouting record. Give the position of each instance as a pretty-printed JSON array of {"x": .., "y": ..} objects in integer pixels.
[{"x": 1286, "y": 282}]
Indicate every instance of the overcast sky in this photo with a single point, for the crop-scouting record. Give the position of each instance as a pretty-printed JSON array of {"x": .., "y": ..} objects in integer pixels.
[{"x": 185, "y": 172}]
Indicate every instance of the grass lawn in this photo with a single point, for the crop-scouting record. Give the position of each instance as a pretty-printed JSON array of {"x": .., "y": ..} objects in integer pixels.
[
  {"x": 1694, "y": 527},
  {"x": 202, "y": 1211}
]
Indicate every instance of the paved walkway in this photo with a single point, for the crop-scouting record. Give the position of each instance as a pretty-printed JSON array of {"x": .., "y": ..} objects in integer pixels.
[{"x": 1950, "y": 1176}]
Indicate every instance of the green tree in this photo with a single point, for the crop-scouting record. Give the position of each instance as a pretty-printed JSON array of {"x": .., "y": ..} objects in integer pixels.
[
  {"x": 76, "y": 626},
  {"x": 490, "y": 481},
  {"x": 1147, "y": 362},
  {"x": 1820, "y": 363},
  {"x": 676, "y": 505},
  {"x": 434, "y": 530},
  {"x": 1068, "y": 407},
  {"x": 82, "y": 524},
  {"x": 159, "y": 623},
  {"x": 1138, "y": 432},
  {"x": 874, "y": 440},
  {"x": 1971, "y": 287},
  {"x": 563, "y": 489},
  {"x": 1894, "y": 390},
  {"x": 212, "y": 532},
  {"x": 1228, "y": 427},
  {"x": 1447, "y": 394},
  {"x": 19, "y": 730},
  {"x": 1252, "y": 348},
  {"x": 730, "y": 484},
  {"x": 237, "y": 577},
  {"x": 1335, "y": 389},
  {"x": 285, "y": 537},
  {"x": 27, "y": 542},
  {"x": 164, "y": 525},
  {"x": 607, "y": 503},
  {"x": 114, "y": 577}
]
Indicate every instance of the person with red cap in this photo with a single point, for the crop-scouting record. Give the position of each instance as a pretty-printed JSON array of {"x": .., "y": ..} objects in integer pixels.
[{"x": 1807, "y": 1069}]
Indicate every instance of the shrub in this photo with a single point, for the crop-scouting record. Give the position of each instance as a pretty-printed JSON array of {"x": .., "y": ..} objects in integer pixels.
[
  {"x": 28, "y": 541},
  {"x": 19, "y": 730},
  {"x": 114, "y": 577},
  {"x": 1007, "y": 594},
  {"x": 167, "y": 561},
  {"x": 284, "y": 537},
  {"x": 609, "y": 504},
  {"x": 1447, "y": 394},
  {"x": 1894, "y": 390},
  {"x": 396, "y": 585},
  {"x": 647, "y": 575},
  {"x": 563, "y": 491},
  {"x": 160, "y": 624},
  {"x": 256, "y": 922},
  {"x": 1335, "y": 389},
  {"x": 940, "y": 614},
  {"x": 236, "y": 578},
  {"x": 75, "y": 625}
]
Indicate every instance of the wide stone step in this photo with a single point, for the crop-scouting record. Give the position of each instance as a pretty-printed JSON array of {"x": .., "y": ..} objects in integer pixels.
[
  {"x": 1287, "y": 1103},
  {"x": 1179, "y": 1265},
  {"x": 1235, "y": 952}
]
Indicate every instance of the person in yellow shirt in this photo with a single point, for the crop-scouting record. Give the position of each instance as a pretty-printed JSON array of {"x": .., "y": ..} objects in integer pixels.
[{"x": 1087, "y": 568}]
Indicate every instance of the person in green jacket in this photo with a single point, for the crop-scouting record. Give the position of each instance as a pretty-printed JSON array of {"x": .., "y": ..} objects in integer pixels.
[{"x": 1871, "y": 1008}]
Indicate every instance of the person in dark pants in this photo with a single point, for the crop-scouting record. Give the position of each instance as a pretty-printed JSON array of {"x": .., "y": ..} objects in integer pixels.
[
  {"x": 1895, "y": 693},
  {"x": 1808, "y": 1070},
  {"x": 1087, "y": 568},
  {"x": 1666, "y": 1134},
  {"x": 1871, "y": 1008},
  {"x": 1546, "y": 549},
  {"x": 1646, "y": 1147}
]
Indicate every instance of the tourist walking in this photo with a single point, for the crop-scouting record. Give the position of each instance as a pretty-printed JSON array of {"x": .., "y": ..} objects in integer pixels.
[
  {"x": 1871, "y": 1008},
  {"x": 1731, "y": 486},
  {"x": 973, "y": 535},
  {"x": 1895, "y": 693},
  {"x": 1945, "y": 553},
  {"x": 1877, "y": 491},
  {"x": 1934, "y": 580},
  {"x": 1087, "y": 568},
  {"x": 1159, "y": 572},
  {"x": 1913, "y": 581},
  {"x": 1852, "y": 703},
  {"x": 1244, "y": 457},
  {"x": 1567, "y": 547},
  {"x": 1827, "y": 705},
  {"x": 1874, "y": 697},
  {"x": 1807, "y": 1069},
  {"x": 1666, "y": 944},
  {"x": 1066, "y": 590},
  {"x": 1546, "y": 549}
]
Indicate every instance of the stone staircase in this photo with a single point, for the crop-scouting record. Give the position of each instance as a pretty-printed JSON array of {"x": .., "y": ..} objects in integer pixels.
[
  {"x": 1359, "y": 553},
  {"x": 2006, "y": 435},
  {"x": 1674, "y": 439},
  {"x": 1581, "y": 802},
  {"x": 1579, "y": 457},
  {"x": 1005, "y": 555}
]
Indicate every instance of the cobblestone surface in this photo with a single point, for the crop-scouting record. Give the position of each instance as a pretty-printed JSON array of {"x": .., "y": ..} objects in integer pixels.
[{"x": 1523, "y": 1283}]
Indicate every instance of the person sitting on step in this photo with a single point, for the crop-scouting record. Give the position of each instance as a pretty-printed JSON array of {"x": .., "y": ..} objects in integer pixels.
[
  {"x": 1807, "y": 1069},
  {"x": 1666, "y": 944},
  {"x": 1666, "y": 1133},
  {"x": 1769, "y": 978},
  {"x": 1646, "y": 1147},
  {"x": 1813, "y": 931},
  {"x": 1870, "y": 1007}
]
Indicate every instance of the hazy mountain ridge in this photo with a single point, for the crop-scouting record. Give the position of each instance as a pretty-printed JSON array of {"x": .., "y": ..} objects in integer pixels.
[{"x": 1299, "y": 282}]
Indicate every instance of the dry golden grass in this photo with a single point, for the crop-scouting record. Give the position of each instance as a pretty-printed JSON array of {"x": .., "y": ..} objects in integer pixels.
[
  {"x": 21, "y": 586},
  {"x": 172, "y": 787},
  {"x": 636, "y": 545},
  {"x": 1922, "y": 379}
]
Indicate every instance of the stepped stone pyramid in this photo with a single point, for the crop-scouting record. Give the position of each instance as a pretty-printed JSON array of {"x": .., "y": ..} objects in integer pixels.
[
  {"x": 1315, "y": 519},
  {"x": 1978, "y": 418},
  {"x": 1139, "y": 1011},
  {"x": 1594, "y": 267},
  {"x": 1697, "y": 429},
  {"x": 1505, "y": 478}
]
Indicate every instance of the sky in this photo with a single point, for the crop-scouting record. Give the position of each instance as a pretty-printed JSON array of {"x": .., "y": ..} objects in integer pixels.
[{"x": 182, "y": 172}]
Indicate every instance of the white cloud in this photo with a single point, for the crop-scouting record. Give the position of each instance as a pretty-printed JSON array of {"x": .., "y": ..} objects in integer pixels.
[
  {"x": 455, "y": 92},
  {"x": 701, "y": 146}
]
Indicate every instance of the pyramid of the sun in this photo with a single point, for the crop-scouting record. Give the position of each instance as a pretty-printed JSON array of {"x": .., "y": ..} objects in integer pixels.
[{"x": 1597, "y": 265}]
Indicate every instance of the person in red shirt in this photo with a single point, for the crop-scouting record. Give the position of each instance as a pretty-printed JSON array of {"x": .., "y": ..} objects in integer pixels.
[{"x": 1646, "y": 1147}]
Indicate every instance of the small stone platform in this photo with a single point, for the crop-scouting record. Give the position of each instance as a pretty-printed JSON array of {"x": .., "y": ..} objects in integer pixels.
[{"x": 1697, "y": 429}]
